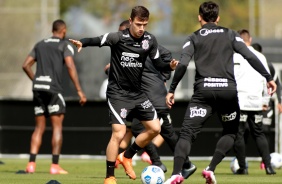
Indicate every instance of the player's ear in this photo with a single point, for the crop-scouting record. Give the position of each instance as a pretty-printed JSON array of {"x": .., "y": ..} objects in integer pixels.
[
  {"x": 217, "y": 20},
  {"x": 199, "y": 18},
  {"x": 130, "y": 21}
]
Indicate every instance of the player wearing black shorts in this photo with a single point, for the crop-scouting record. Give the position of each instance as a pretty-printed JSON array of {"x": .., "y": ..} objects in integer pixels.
[
  {"x": 153, "y": 85},
  {"x": 129, "y": 50},
  {"x": 50, "y": 56},
  {"x": 212, "y": 47}
]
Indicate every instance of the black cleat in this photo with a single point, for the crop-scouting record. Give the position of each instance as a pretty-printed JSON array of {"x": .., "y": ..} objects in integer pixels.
[
  {"x": 186, "y": 172},
  {"x": 242, "y": 171},
  {"x": 162, "y": 166},
  {"x": 269, "y": 171}
]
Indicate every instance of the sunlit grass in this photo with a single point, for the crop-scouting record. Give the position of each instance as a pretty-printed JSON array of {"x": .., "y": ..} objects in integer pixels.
[{"x": 86, "y": 171}]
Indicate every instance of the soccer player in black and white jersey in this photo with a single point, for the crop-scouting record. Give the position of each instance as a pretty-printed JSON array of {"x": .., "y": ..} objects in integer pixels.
[
  {"x": 268, "y": 112},
  {"x": 252, "y": 94},
  {"x": 129, "y": 51},
  {"x": 50, "y": 55},
  {"x": 212, "y": 47}
]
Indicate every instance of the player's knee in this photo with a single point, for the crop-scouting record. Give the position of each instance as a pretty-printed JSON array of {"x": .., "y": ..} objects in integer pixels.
[{"x": 155, "y": 131}]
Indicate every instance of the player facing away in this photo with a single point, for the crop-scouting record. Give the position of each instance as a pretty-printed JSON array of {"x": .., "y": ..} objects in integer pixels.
[
  {"x": 212, "y": 47},
  {"x": 50, "y": 56},
  {"x": 129, "y": 50}
]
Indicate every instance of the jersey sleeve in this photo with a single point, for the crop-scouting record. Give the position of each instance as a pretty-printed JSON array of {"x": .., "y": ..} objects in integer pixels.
[
  {"x": 166, "y": 57},
  {"x": 33, "y": 53},
  {"x": 107, "y": 39},
  {"x": 240, "y": 47},
  {"x": 186, "y": 55},
  {"x": 68, "y": 50},
  {"x": 154, "y": 55}
]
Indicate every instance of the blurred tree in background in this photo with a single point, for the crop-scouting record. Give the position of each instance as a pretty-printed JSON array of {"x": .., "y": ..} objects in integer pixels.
[{"x": 233, "y": 13}]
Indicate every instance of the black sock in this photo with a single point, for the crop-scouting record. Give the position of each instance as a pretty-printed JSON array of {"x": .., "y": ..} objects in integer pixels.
[
  {"x": 177, "y": 165},
  {"x": 152, "y": 151},
  {"x": 187, "y": 164},
  {"x": 110, "y": 169},
  {"x": 132, "y": 150},
  {"x": 55, "y": 159},
  {"x": 32, "y": 157},
  {"x": 216, "y": 159}
]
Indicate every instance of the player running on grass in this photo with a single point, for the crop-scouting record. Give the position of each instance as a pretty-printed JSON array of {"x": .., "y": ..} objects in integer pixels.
[
  {"x": 212, "y": 47},
  {"x": 129, "y": 50}
]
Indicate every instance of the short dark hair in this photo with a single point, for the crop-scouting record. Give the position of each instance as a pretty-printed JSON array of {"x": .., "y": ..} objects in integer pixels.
[
  {"x": 124, "y": 23},
  {"x": 141, "y": 12},
  {"x": 244, "y": 34},
  {"x": 57, "y": 25},
  {"x": 209, "y": 11},
  {"x": 257, "y": 47}
]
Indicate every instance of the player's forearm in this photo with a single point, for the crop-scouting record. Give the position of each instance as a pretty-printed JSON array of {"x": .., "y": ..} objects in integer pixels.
[
  {"x": 161, "y": 66},
  {"x": 74, "y": 77},
  {"x": 179, "y": 73},
  {"x": 90, "y": 41}
]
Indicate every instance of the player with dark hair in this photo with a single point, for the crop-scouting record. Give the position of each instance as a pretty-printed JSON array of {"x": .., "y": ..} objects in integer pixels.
[
  {"x": 212, "y": 47},
  {"x": 153, "y": 75},
  {"x": 129, "y": 51},
  {"x": 251, "y": 94},
  {"x": 50, "y": 55}
]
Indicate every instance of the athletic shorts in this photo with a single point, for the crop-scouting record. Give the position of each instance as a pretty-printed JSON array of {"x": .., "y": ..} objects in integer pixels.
[
  {"x": 163, "y": 114},
  {"x": 47, "y": 103},
  {"x": 125, "y": 109}
]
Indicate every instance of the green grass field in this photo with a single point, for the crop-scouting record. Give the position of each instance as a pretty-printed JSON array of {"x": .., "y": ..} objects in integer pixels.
[{"x": 86, "y": 171}]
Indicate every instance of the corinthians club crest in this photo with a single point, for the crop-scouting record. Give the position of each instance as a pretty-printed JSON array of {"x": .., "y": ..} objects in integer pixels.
[
  {"x": 123, "y": 113},
  {"x": 145, "y": 44}
]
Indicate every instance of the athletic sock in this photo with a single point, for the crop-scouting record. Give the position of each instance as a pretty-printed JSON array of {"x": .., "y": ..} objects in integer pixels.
[
  {"x": 110, "y": 169},
  {"x": 177, "y": 165},
  {"x": 32, "y": 157},
  {"x": 152, "y": 151},
  {"x": 55, "y": 159},
  {"x": 132, "y": 150},
  {"x": 216, "y": 159}
]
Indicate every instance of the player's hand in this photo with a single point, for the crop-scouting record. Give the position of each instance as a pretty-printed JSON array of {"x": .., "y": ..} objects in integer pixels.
[
  {"x": 173, "y": 64},
  {"x": 271, "y": 85},
  {"x": 77, "y": 43},
  {"x": 169, "y": 100},
  {"x": 82, "y": 97},
  {"x": 279, "y": 106}
]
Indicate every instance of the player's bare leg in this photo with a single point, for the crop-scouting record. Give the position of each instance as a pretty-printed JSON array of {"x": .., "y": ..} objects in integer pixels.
[
  {"x": 118, "y": 133},
  {"x": 126, "y": 139},
  {"x": 158, "y": 140},
  {"x": 57, "y": 140},
  {"x": 36, "y": 140}
]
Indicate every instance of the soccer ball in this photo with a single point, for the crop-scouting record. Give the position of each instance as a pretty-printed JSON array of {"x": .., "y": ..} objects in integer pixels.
[
  {"x": 234, "y": 165},
  {"x": 152, "y": 175},
  {"x": 276, "y": 160}
]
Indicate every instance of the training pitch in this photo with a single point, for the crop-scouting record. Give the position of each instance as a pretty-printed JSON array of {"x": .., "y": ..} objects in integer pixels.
[{"x": 86, "y": 171}]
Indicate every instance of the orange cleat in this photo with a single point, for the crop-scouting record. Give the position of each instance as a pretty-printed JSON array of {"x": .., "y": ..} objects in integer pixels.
[
  {"x": 110, "y": 180},
  {"x": 127, "y": 165},
  {"x": 56, "y": 169},
  {"x": 30, "y": 168},
  {"x": 116, "y": 164}
]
